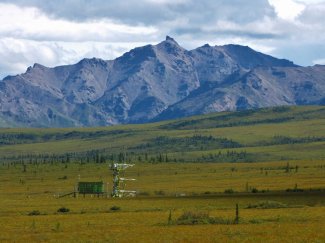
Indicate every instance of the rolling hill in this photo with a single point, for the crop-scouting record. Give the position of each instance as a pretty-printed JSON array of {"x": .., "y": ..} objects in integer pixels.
[{"x": 267, "y": 134}]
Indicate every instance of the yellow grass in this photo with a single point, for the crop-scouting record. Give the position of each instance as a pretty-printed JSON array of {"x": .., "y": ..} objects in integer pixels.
[{"x": 144, "y": 218}]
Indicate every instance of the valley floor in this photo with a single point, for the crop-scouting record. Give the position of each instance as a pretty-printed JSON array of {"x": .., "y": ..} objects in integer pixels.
[{"x": 276, "y": 203}]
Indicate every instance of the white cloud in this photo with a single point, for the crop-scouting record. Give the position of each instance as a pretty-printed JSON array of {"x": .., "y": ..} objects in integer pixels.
[
  {"x": 27, "y": 36},
  {"x": 310, "y": 1},
  {"x": 166, "y": 1},
  {"x": 30, "y": 23},
  {"x": 63, "y": 32},
  {"x": 319, "y": 61},
  {"x": 18, "y": 54},
  {"x": 287, "y": 9}
]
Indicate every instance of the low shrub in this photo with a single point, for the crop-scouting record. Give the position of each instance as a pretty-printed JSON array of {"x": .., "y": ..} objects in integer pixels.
[
  {"x": 63, "y": 210},
  {"x": 229, "y": 191},
  {"x": 294, "y": 190},
  {"x": 190, "y": 218},
  {"x": 34, "y": 213},
  {"x": 143, "y": 194},
  {"x": 193, "y": 218},
  {"x": 267, "y": 204},
  {"x": 256, "y": 221},
  {"x": 254, "y": 190},
  {"x": 160, "y": 193},
  {"x": 115, "y": 208}
]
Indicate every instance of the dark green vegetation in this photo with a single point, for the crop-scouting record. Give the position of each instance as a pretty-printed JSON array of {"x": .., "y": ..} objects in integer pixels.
[{"x": 280, "y": 133}]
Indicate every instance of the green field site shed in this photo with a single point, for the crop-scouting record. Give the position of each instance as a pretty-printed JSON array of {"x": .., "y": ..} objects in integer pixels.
[{"x": 91, "y": 187}]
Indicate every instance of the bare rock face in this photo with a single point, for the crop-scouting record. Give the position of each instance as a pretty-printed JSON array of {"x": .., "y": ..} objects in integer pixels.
[{"x": 156, "y": 82}]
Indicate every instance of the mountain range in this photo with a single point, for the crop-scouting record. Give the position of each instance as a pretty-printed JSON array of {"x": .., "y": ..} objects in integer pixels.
[{"x": 154, "y": 83}]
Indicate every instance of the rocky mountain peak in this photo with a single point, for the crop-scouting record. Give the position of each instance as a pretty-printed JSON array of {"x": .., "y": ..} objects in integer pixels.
[
  {"x": 136, "y": 56},
  {"x": 206, "y": 46},
  {"x": 168, "y": 38},
  {"x": 156, "y": 82},
  {"x": 94, "y": 60},
  {"x": 170, "y": 45},
  {"x": 37, "y": 65}
]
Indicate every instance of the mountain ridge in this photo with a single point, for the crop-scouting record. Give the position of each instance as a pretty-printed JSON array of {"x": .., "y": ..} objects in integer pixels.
[{"x": 156, "y": 82}]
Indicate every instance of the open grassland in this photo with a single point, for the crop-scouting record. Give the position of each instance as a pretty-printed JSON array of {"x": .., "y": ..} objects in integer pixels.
[
  {"x": 166, "y": 190},
  {"x": 190, "y": 174}
]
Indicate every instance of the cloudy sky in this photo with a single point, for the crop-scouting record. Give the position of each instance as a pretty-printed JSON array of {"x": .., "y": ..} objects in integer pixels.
[{"x": 65, "y": 31}]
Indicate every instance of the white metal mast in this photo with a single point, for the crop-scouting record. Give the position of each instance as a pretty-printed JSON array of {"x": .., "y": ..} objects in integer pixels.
[{"x": 118, "y": 181}]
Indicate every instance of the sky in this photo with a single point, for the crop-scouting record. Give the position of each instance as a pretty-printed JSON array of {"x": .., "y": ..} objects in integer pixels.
[{"x": 63, "y": 32}]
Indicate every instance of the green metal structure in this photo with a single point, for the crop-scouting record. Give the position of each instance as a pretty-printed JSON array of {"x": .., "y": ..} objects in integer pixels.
[{"x": 91, "y": 187}]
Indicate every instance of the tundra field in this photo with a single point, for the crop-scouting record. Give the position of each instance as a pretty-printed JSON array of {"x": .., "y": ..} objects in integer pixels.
[{"x": 190, "y": 174}]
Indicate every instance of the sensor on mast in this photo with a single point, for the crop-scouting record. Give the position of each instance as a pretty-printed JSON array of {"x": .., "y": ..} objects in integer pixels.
[{"x": 119, "y": 182}]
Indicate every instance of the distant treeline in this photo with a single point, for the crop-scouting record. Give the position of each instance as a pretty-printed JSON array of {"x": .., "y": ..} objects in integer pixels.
[
  {"x": 279, "y": 140},
  {"x": 229, "y": 156},
  {"x": 102, "y": 156},
  {"x": 218, "y": 122},
  {"x": 23, "y": 138},
  {"x": 194, "y": 143}
]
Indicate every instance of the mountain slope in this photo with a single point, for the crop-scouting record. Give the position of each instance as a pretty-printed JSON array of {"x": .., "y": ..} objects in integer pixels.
[
  {"x": 156, "y": 82},
  {"x": 260, "y": 87}
]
